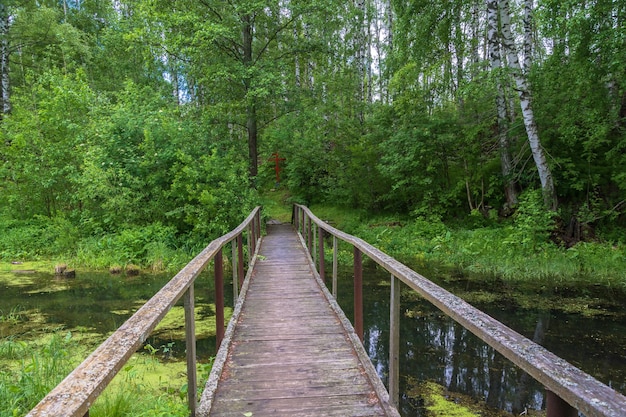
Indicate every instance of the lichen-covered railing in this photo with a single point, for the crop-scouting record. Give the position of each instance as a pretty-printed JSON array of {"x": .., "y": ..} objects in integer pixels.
[
  {"x": 77, "y": 392},
  {"x": 569, "y": 389}
]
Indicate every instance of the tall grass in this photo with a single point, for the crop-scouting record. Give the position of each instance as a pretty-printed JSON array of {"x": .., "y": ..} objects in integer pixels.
[
  {"x": 39, "y": 371},
  {"x": 28, "y": 371},
  {"x": 516, "y": 251}
]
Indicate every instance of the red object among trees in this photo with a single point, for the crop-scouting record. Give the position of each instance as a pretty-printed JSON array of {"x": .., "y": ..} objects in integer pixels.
[{"x": 276, "y": 158}]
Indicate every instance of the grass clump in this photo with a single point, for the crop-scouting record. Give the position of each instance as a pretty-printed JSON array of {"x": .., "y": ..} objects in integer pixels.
[
  {"x": 39, "y": 370},
  {"x": 146, "y": 386}
]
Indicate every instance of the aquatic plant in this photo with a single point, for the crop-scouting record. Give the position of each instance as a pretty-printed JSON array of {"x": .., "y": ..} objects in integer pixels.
[
  {"x": 13, "y": 316},
  {"x": 38, "y": 373}
]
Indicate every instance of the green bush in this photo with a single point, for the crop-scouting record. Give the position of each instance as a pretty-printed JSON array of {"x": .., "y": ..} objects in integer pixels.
[{"x": 149, "y": 246}]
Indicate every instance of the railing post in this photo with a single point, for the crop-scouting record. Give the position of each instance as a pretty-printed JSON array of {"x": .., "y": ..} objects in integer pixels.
[
  {"x": 312, "y": 247},
  {"x": 219, "y": 298},
  {"x": 249, "y": 243},
  {"x": 233, "y": 245},
  {"x": 309, "y": 234},
  {"x": 302, "y": 224},
  {"x": 258, "y": 225},
  {"x": 557, "y": 407},
  {"x": 320, "y": 240},
  {"x": 253, "y": 235},
  {"x": 190, "y": 340},
  {"x": 335, "y": 266},
  {"x": 394, "y": 342},
  {"x": 240, "y": 258},
  {"x": 296, "y": 217},
  {"x": 358, "y": 293}
]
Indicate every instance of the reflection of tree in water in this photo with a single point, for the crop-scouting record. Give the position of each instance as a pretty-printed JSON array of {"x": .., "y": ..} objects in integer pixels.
[
  {"x": 443, "y": 351},
  {"x": 523, "y": 390},
  {"x": 435, "y": 348}
]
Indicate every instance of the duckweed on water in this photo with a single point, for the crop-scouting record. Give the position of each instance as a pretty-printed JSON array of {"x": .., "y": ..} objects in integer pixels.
[
  {"x": 439, "y": 402},
  {"x": 172, "y": 327}
]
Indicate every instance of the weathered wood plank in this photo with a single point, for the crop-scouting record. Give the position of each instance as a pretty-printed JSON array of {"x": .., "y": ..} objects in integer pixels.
[{"x": 290, "y": 353}]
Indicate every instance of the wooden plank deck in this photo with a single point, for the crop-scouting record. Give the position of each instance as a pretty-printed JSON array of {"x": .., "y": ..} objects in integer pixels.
[{"x": 289, "y": 350}]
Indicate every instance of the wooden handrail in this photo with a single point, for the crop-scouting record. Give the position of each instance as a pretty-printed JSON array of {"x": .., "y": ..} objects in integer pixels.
[
  {"x": 566, "y": 384},
  {"x": 78, "y": 391}
]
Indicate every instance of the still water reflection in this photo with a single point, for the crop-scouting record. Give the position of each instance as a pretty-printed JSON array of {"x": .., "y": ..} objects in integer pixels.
[{"x": 435, "y": 348}]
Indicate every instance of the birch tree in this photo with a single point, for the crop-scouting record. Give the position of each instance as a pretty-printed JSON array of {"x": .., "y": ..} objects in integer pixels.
[
  {"x": 525, "y": 97},
  {"x": 4, "y": 59},
  {"x": 495, "y": 62}
]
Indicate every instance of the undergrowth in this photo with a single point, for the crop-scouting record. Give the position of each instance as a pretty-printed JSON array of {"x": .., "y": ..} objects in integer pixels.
[
  {"x": 517, "y": 250},
  {"x": 40, "y": 369},
  {"x": 29, "y": 370}
]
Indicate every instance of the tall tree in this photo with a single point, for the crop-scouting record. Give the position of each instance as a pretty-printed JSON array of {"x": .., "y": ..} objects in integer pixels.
[
  {"x": 525, "y": 97},
  {"x": 236, "y": 55},
  {"x": 495, "y": 62},
  {"x": 5, "y": 80}
]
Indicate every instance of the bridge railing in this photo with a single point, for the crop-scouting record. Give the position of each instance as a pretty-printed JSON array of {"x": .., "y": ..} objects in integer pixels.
[
  {"x": 568, "y": 389},
  {"x": 78, "y": 391}
]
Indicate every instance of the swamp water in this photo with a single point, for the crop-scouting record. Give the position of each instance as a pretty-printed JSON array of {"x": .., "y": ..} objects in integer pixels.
[
  {"x": 586, "y": 330},
  {"x": 434, "y": 348}
]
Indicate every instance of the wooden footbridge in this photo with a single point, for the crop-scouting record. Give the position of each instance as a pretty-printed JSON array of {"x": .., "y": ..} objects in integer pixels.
[{"x": 289, "y": 349}]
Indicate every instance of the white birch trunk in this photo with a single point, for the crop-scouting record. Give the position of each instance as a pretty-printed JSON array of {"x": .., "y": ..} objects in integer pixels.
[
  {"x": 368, "y": 54},
  {"x": 495, "y": 62},
  {"x": 361, "y": 37},
  {"x": 4, "y": 59},
  {"x": 388, "y": 26},
  {"x": 296, "y": 58},
  {"x": 528, "y": 34},
  {"x": 523, "y": 90}
]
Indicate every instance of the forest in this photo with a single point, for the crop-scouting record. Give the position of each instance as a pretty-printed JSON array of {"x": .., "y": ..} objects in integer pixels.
[
  {"x": 480, "y": 142},
  {"x": 155, "y": 121}
]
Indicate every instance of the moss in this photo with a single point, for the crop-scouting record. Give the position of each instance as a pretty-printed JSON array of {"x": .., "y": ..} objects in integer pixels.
[
  {"x": 37, "y": 266},
  {"x": 172, "y": 327},
  {"x": 439, "y": 402}
]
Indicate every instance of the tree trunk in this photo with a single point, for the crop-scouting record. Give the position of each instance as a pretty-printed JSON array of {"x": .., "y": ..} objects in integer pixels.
[
  {"x": 523, "y": 90},
  {"x": 296, "y": 58},
  {"x": 495, "y": 62},
  {"x": 528, "y": 34},
  {"x": 251, "y": 116},
  {"x": 360, "y": 58},
  {"x": 4, "y": 60}
]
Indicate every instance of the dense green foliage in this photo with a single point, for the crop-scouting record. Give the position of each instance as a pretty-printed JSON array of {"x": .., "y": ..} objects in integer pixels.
[{"x": 133, "y": 131}]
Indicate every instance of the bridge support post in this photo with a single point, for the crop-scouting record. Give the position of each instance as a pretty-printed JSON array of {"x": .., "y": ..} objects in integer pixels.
[
  {"x": 240, "y": 274},
  {"x": 233, "y": 245},
  {"x": 557, "y": 407},
  {"x": 190, "y": 340},
  {"x": 253, "y": 236},
  {"x": 320, "y": 241},
  {"x": 219, "y": 298},
  {"x": 312, "y": 246},
  {"x": 249, "y": 243},
  {"x": 309, "y": 234},
  {"x": 394, "y": 342},
  {"x": 358, "y": 293},
  {"x": 335, "y": 266},
  {"x": 258, "y": 225}
]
